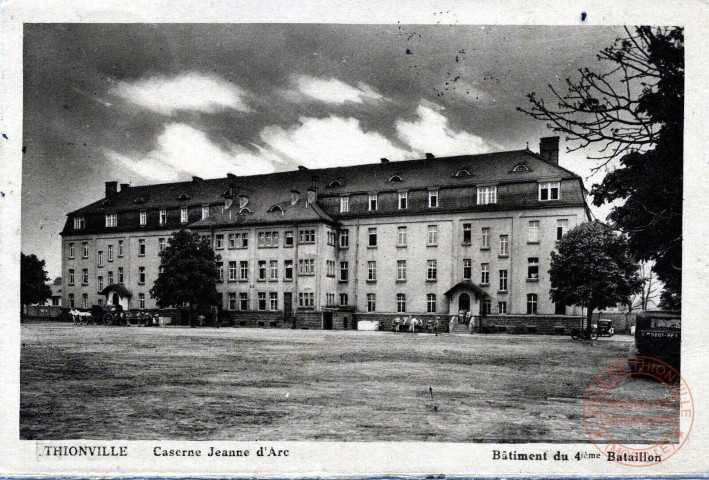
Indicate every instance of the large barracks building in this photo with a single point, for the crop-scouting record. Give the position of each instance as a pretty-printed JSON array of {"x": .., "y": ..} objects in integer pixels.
[{"x": 325, "y": 248}]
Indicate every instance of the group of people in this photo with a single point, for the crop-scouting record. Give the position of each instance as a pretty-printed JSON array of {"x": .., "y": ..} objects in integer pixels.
[{"x": 410, "y": 324}]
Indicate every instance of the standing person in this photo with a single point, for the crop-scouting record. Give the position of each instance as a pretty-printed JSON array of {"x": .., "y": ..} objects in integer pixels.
[{"x": 436, "y": 324}]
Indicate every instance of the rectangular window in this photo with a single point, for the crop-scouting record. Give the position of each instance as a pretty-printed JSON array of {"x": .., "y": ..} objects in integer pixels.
[
  {"x": 273, "y": 270},
  {"x": 432, "y": 198},
  {"x": 344, "y": 299},
  {"x": 71, "y": 300},
  {"x": 243, "y": 301},
  {"x": 485, "y": 240},
  {"x": 502, "y": 307},
  {"x": 344, "y": 204},
  {"x": 111, "y": 219},
  {"x": 205, "y": 212},
  {"x": 431, "y": 270},
  {"x": 372, "y": 202},
  {"x": 431, "y": 303},
  {"x": 401, "y": 236},
  {"x": 268, "y": 239},
  {"x": 232, "y": 301},
  {"x": 330, "y": 237},
  {"x": 120, "y": 275},
  {"x": 262, "y": 301},
  {"x": 184, "y": 217},
  {"x": 239, "y": 240},
  {"x": 143, "y": 217},
  {"x": 372, "y": 237},
  {"x": 220, "y": 268},
  {"x": 79, "y": 223},
  {"x": 306, "y": 266},
  {"x": 100, "y": 258},
  {"x": 100, "y": 283},
  {"x": 400, "y": 303},
  {"x": 163, "y": 216},
  {"x": 120, "y": 248},
  {"x": 403, "y": 200},
  {"x": 110, "y": 278},
  {"x": 85, "y": 276},
  {"x": 371, "y": 302},
  {"x": 549, "y": 191},
  {"x": 485, "y": 273},
  {"x": 243, "y": 270},
  {"x": 467, "y": 233},
  {"x": 485, "y": 307},
  {"x": 467, "y": 269},
  {"x": 219, "y": 241},
  {"x": 487, "y": 195},
  {"x": 141, "y": 301},
  {"x": 262, "y": 270},
  {"x": 503, "y": 280},
  {"x": 562, "y": 226},
  {"x": 232, "y": 271},
  {"x": 85, "y": 248},
  {"x": 432, "y": 239},
  {"x": 306, "y": 236},
  {"x": 273, "y": 301},
  {"x": 504, "y": 245},
  {"x": 85, "y": 300},
  {"x": 401, "y": 270},
  {"x": 141, "y": 247},
  {"x": 532, "y": 304},
  {"x": 533, "y": 268},
  {"x": 71, "y": 277},
  {"x": 141, "y": 275},
  {"x": 306, "y": 299},
  {"x": 344, "y": 271},
  {"x": 330, "y": 268},
  {"x": 344, "y": 238},
  {"x": 371, "y": 271},
  {"x": 288, "y": 269},
  {"x": 72, "y": 250},
  {"x": 232, "y": 240},
  {"x": 288, "y": 239},
  {"x": 161, "y": 244},
  {"x": 533, "y": 231}
]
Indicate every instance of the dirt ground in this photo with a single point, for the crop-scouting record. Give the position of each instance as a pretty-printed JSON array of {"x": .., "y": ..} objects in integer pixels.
[{"x": 247, "y": 384}]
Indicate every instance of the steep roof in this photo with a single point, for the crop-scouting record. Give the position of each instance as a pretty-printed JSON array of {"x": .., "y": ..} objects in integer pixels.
[{"x": 275, "y": 188}]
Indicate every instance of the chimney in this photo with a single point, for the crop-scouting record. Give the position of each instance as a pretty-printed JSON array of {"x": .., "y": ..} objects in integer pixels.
[
  {"x": 312, "y": 195},
  {"x": 125, "y": 186},
  {"x": 243, "y": 201},
  {"x": 294, "y": 197},
  {"x": 230, "y": 175},
  {"x": 195, "y": 178},
  {"x": 384, "y": 160},
  {"x": 111, "y": 189},
  {"x": 549, "y": 149},
  {"x": 430, "y": 156},
  {"x": 301, "y": 168}
]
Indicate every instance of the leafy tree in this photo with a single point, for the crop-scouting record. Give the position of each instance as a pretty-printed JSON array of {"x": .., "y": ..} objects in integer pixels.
[
  {"x": 633, "y": 113},
  {"x": 189, "y": 272},
  {"x": 593, "y": 268},
  {"x": 33, "y": 280}
]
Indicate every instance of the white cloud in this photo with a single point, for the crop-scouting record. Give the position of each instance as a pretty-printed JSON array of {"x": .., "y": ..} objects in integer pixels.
[
  {"x": 332, "y": 90},
  {"x": 432, "y": 133},
  {"x": 183, "y": 150},
  {"x": 190, "y": 91},
  {"x": 329, "y": 142}
]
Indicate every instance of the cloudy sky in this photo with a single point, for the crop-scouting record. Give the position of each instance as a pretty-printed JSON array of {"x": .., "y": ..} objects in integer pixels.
[{"x": 146, "y": 103}]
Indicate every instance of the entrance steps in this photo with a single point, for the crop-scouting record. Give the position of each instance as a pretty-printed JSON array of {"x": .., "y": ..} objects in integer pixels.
[{"x": 459, "y": 328}]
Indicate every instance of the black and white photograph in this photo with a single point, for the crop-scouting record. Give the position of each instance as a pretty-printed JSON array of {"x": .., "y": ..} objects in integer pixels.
[{"x": 440, "y": 233}]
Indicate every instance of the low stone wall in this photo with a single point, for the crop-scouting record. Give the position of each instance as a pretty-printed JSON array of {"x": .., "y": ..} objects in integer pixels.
[
  {"x": 254, "y": 319},
  {"x": 539, "y": 324},
  {"x": 386, "y": 320}
]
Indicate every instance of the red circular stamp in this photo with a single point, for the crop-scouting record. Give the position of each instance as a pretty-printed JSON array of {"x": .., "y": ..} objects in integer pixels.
[{"x": 638, "y": 411}]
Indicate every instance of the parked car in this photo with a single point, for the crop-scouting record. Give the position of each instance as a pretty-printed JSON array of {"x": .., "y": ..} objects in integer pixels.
[{"x": 658, "y": 334}]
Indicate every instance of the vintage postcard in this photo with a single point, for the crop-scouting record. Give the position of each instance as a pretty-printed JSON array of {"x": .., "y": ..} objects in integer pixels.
[{"x": 461, "y": 238}]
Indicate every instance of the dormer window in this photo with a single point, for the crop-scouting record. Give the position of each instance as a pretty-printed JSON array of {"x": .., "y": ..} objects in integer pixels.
[
  {"x": 463, "y": 172},
  {"x": 205, "y": 211},
  {"x": 487, "y": 195},
  {"x": 111, "y": 219},
  {"x": 79, "y": 223},
  {"x": 139, "y": 200},
  {"x": 521, "y": 168},
  {"x": 143, "y": 218},
  {"x": 276, "y": 209},
  {"x": 183, "y": 197},
  {"x": 244, "y": 210},
  {"x": 549, "y": 191},
  {"x": 335, "y": 183},
  {"x": 395, "y": 178}
]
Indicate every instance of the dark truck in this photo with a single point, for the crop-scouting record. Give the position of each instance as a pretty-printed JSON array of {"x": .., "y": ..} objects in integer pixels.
[{"x": 658, "y": 334}]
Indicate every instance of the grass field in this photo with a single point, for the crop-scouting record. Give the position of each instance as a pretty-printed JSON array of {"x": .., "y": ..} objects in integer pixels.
[{"x": 247, "y": 384}]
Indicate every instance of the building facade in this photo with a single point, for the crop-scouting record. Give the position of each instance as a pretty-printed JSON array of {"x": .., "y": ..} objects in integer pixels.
[{"x": 428, "y": 236}]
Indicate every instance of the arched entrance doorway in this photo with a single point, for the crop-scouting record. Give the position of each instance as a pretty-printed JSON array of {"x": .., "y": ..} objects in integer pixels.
[
  {"x": 464, "y": 302},
  {"x": 116, "y": 299}
]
